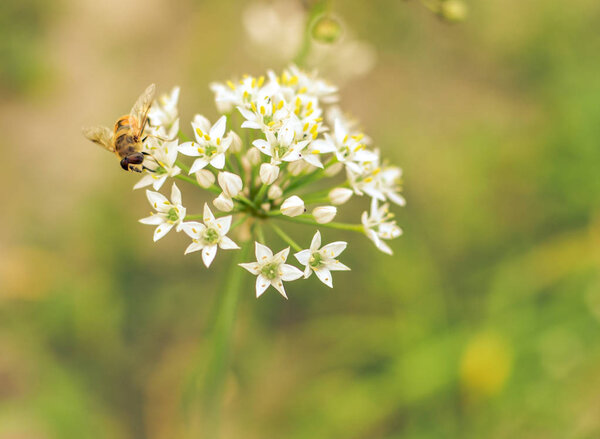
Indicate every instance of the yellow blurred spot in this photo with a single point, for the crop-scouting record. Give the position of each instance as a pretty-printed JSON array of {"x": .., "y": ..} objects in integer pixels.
[
  {"x": 231, "y": 85},
  {"x": 485, "y": 365}
]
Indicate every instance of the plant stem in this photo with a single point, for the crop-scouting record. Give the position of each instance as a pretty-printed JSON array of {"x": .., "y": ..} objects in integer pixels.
[
  {"x": 286, "y": 238},
  {"x": 218, "y": 366},
  {"x": 193, "y": 181},
  {"x": 307, "y": 219}
]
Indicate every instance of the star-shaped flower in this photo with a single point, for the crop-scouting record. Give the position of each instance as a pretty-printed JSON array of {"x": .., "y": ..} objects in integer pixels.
[
  {"x": 163, "y": 166},
  {"x": 379, "y": 227},
  {"x": 322, "y": 260},
  {"x": 271, "y": 269},
  {"x": 168, "y": 213},
  {"x": 281, "y": 146},
  {"x": 208, "y": 236},
  {"x": 210, "y": 145}
]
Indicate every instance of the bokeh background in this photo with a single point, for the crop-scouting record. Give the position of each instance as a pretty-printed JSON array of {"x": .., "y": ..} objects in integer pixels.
[{"x": 484, "y": 323}]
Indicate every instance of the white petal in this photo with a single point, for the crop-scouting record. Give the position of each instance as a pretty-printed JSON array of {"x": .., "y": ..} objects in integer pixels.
[
  {"x": 312, "y": 159},
  {"x": 324, "y": 276},
  {"x": 162, "y": 230},
  {"x": 218, "y": 129},
  {"x": 303, "y": 256},
  {"x": 282, "y": 255},
  {"x": 156, "y": 199},
  {"x": 193, "y": 247},
  {"x": 146, "y": 180},
  {"x": 337, "y": 266},
  {"x": 315, "y": 244},
  {"x": 189, "y": 148},
  {"x": 393, "y": 197},
  {"x": 198, "y": 164},
  {"x": 262, "y": 252},
  {"x": 334, "y": 249},
  {"x": 208, "y": 216},
  {"x": 278, "y": 285},
  {"x": 223, "y": 224},
  {"x": 208, "y": 254},
  {"x": 289, "y": 272},
  {"x": 218, "y": 161},
  {"x": 175, "y": 194},
  {"x": 252, "y": 267},
  {"x": 153, "y": 220},
  {"x": 193, "y": 229},
  {"x": 262, "y": 283},
  {"x": 227, "y": 244},
  {"x": 159, "y": 182},
  {"x": 263, "y": 146}
]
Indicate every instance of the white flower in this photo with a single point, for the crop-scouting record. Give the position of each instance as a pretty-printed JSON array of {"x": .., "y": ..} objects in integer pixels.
[
  {"x": 268, "y": 173},
  {"x": 281, "y": 146},
  {"x": 340, "y": 195},
  {"x": 379, "y": 227},
  {"x": 210, "y": 146},
  {"x": 381, "y": 182},
  {"x": 164, "y": 157},
  {"x": 230, "y": 183},
  {"x": 223, "y": 203},
  {"x": 168, "y": 213},
  {"x": 163, "y": 112},
  {"x": 322, "y": 260},
  {"x": 267, "y": 111},
  {"x": 293, "y": 206},
  {"x": 324, "y": 214},
  {"x": 208, "y": 236},
  {"x": 271, "y": 269},
  {"x": 274, "y": 192},
  {"x": 230, "y": 95},
  {"x": 205, "y": 178}
]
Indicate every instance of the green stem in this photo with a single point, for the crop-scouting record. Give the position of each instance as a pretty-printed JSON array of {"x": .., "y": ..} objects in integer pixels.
[
  {"x": 317, "y": 9},
  {"x": 286, "y": 238},
  {"x": 260, "y": 235},
  {"x": 193, "y": 181},
  {"x": 260, "y": 195},
  {"x": 219, "y": 361},
  {"x": 307, "y": 219}
]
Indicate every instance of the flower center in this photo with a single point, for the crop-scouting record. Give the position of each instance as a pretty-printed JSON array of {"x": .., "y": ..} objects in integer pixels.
[
  {"x": 280, "y": 151},
  {"x": 172, "y": 214},
  {"x": 210, "y": 150},
  {"x": 210, "y": 236},
  {"x": 270, "y": 271},
  {"x": 316, "y": 260}
]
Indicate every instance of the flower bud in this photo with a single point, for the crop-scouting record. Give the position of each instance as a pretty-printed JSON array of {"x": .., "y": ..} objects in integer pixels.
[
  {"x": 453, "y": 10},
  {"x": 340, "y": 195},
  {"x": 223, "y": 203},
  {"x": 333, "y": 169},
  {"x": 253, "y": 156},
  {"x": 230, "y": 183},
  {"x": 274, "y": 192},
  {"x": 268, "y": 173},
  {"x": 327, "y": 30},
  {"x": 205, "y": 178},
  {"x": 293, "y": 206},
  {"x": 236, "y": 142},
  {"x": 324, "y": 214},
  {"x": 296, "y": 167}
]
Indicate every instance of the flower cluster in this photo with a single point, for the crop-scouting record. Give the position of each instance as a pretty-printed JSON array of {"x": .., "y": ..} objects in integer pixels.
[{"x": 269, "y": 156}]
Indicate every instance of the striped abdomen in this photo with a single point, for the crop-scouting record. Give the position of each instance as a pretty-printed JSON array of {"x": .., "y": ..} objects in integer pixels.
[{"x": 126, "y": 136}]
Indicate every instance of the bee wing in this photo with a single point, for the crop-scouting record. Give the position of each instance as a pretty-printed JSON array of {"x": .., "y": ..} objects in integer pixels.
[
  {"x": 142, "y": 105},
  {"x": 100, "y": 135}
]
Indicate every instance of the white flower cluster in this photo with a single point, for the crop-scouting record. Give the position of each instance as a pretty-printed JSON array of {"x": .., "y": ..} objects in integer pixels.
[{"x": 294, "y": 139}]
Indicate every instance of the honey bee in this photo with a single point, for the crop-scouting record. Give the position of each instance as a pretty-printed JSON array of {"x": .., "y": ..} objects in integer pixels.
[{"x": 127, "y": 137}]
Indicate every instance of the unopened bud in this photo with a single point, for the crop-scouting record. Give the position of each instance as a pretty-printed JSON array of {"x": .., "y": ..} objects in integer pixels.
[
  {"x": 340, "y": 195},
  {"x": 324, "y": 214},
  {"x": 453, "y": 10},
  {"x": 295, "y": 168},
  {"x": 333, "y": 169},
  {"x": 327, "y": 30},
  {"x": 223, "y": 203},
  {"x": 274, "y": 192},
  {"x": 236, "y": 142},
  {"x": 268, "y": 173},
  {"x": 205, "y": 178},
  {"x": 230, "y": 183},
  {"x": 253, "y": 156},
  {"x": 293, "y": 206}
]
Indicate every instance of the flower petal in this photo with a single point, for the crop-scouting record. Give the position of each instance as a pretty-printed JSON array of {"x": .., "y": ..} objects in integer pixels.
[
  {"x": 162, "y": 230},
  {"x": 189, "y": 148},
  {"x": 198, "y": 164},
  {"x": 289, "y": 272},
  {"x": 282, "y": 255},
  {"x": 193, "y": 247},
  {"x": 316, "y": 242},
  {"x": 262, "y": 283},
  {"x": 175, "y": 195},
  {"x": 252, "y": 267},
  {"x": 324, "y": 276},
  {"x": 208, "y": 254},
  {"x": 262, "y": 252},
  {"x": 193, "y": 229},
  {"x": 303, "y": 256},
  {"x": 218, "y": 129},
  {"x": 153, "y": 220},
  {"x": 156, "y": 199},
  {"x": 334, "y": 249},
  {"x": 278, "y": 285},
  {"x": 337, "y": 266},
  {"x": 227, "y": 244},
  {"x": 223, "y": 224},
  {"x": 218, "y": 161}
]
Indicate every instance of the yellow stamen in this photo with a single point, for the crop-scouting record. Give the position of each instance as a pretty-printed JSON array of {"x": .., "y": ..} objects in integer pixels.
[
  {"x": 231, "y": 85},
  {"x": 316, "y": 151},
  {"x": 199, "y": 131}
]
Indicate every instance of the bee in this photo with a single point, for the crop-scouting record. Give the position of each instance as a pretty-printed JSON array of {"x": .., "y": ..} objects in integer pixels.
[{"x": 126, "y": 140}]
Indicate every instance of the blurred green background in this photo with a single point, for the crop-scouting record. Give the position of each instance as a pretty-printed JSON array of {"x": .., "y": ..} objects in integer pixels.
[{"x": 485, "y": 322}]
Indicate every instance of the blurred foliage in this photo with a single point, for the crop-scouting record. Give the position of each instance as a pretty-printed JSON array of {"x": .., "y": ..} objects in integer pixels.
[{"x": 485, "y": 323}]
